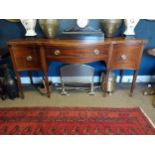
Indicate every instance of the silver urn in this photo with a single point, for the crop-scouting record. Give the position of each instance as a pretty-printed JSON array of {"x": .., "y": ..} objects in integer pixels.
[
  {"x": 110, "y": 26},
  {"x": 49, "y": 27}
]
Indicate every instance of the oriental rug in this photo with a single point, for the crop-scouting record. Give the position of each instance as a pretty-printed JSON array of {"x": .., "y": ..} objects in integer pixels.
[{"x": 71, "y": 121}]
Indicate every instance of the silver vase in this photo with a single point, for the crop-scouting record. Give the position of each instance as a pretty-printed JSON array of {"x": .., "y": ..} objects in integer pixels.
[
  {"x": 110, "y": 26},
  {"x": 49, "y": 27}
]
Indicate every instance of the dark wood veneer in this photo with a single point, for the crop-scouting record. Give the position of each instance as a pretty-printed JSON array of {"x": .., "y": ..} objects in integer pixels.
[{"x": 34, "y": 54}]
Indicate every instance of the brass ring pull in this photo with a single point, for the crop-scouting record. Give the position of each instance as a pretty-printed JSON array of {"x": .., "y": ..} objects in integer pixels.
[
  {"x": 29, "y": 58},
  {"x": 57, "y": 52},
  {"x": 96, "y": 52},
  {"x": 124, "y": 57}
]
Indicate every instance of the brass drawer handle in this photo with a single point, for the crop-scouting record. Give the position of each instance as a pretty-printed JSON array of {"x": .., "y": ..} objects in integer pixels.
[
  {"x": 96, "y": 52},
  {"x": 57, "y": 52},
  {"x": 124, "y": 57},
  {"x": 29, "y": 58}
]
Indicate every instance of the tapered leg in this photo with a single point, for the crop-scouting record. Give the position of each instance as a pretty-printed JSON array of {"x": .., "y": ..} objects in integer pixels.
[
  {"x": 19, "y": 85},
  {"x": 47, "y": 84},
  {"x": 121, "y": 75},
  {"x": 106, "y": 82},
  {"x": 133, "y": 82},
  {"x": 30, "y": 75}
]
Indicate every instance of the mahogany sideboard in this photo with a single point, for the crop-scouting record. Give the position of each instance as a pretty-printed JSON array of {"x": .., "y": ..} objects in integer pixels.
[{"x": 34, "y": 54}]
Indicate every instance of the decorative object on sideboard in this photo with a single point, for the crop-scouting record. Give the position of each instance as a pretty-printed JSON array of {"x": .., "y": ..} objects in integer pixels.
[
  {"x": 29, "y": 25},
  {"x": 110, "y": 26},
  {"x": 13, "y": 20},
  {"x": 49, "y": 27},
  {"x": 83, "y": 31},
  {"x": 130, "y": 25},
  {"x": 82, "y": 23}
]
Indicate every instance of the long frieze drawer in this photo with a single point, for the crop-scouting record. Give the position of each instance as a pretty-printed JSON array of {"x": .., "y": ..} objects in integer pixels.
[
  {"x": 78, "y": 51},
  {"x": 26, "y": 57}
]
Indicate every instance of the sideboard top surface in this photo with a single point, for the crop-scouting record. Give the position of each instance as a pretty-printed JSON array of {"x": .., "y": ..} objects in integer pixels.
[{"x": 67, "y": 42}]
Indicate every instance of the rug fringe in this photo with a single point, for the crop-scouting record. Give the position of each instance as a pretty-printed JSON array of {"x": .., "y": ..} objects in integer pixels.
[{"x": 147, "y": 117}]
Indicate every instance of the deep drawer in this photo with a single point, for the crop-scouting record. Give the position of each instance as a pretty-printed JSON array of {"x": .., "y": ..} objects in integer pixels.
[
  {"x": 26, "y": 58},
  {"x": 125, "y": 57}
]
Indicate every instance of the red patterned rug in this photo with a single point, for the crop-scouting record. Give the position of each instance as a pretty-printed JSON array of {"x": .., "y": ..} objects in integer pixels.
[{"x": 69, "y": 121}]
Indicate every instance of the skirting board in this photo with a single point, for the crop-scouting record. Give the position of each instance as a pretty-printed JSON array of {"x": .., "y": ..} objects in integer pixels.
[{"x": 126, "y": 79}]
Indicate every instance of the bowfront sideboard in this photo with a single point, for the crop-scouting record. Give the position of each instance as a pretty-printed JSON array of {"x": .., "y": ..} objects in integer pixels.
[{"x": 34, "y": 54}]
